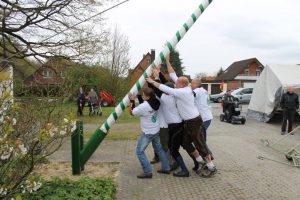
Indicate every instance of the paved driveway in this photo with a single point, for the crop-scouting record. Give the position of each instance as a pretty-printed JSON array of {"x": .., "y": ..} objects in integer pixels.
[{"x": 241, "y": 175}]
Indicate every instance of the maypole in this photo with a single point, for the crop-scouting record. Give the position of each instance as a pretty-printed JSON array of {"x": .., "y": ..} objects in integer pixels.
[{"x": 102, "y": 131}]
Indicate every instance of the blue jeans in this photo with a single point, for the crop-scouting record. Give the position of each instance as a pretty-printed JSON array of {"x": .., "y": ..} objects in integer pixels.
[
  {"x": 206, "y": 124},
  {"x": 143, "y": 142}
]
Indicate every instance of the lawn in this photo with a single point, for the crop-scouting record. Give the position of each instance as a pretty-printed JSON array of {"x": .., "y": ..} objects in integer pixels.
[
  {"x": 72, "y": 108},
  {"x": 126, "y": 127}
]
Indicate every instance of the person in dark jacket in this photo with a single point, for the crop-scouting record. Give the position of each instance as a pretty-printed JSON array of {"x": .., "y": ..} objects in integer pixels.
[
  {"x": 80, "y": 102},
  {"x": 289, "y": 104},
  {"x": 228, "y": 99}
]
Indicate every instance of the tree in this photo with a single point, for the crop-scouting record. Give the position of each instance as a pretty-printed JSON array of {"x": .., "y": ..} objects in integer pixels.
[
  {"x": 31, "y": 28},
  {"x": 201, "y": 76},
  {"x": 116, "y": 60},
  {"x": 221, "y": 71},
  {"x": 176, "y": 63}
]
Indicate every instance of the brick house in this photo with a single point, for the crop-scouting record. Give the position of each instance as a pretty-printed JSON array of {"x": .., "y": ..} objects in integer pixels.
[
  {"x": 135, "y": 73},
  {"x": 242, "y": 73},
  {"x": 51, "y": 73}
]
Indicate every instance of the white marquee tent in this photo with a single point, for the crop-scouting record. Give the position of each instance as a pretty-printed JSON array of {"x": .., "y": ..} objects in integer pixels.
[{"x": 269, "y": 88}]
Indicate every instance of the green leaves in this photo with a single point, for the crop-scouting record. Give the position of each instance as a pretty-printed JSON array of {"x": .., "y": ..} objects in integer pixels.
[{"x": 85, "y": 188}]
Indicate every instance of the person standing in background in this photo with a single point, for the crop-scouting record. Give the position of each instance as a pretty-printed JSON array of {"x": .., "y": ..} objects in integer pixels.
[
  {"x": 80, "y": 102},
  {"x": 289, "y": 104}
]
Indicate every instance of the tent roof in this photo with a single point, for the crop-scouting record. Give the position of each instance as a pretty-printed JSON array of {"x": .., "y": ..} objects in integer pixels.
[{"x": 288, "y": 75}]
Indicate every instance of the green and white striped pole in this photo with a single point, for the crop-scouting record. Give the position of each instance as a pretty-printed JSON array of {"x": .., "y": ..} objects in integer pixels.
[{"x": 100, "y": 133}]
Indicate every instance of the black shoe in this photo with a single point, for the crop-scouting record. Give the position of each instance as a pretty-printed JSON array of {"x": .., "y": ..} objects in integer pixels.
[
  {"x": 283, "y": 132},
  {"x": 181, "y": 174},
  {"x": 163, "y": 171},
  {"x": 196, "y": 167},
  {"x": 174, "y": 166},
  {"x": 154, "y": 160},
  {"x": 143, "y": 175}
]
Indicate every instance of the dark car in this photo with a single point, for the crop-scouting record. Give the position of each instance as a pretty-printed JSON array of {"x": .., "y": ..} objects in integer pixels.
[{"x": 217, "y": 97}]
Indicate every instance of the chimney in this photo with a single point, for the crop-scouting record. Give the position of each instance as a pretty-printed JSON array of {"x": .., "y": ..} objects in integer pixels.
[{"x": 152, "y": 55}]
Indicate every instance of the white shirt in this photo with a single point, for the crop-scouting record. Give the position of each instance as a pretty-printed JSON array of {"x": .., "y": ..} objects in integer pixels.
[
  {"x": 169, "y": 109},
  {"x": 202, "y": 102},
  {"x": 185, "y": 102},
  {"x": 149, "y": 122},
  {"x": 161, "y": 118}
]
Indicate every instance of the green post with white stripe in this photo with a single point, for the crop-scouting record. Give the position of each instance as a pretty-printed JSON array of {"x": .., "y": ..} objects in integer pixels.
[{"x": 102, "y": 131}]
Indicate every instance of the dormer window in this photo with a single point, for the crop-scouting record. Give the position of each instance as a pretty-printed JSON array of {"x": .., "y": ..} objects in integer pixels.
[
  {"x": 47, "y": 73},
  {"x": 246, "y": 72}
]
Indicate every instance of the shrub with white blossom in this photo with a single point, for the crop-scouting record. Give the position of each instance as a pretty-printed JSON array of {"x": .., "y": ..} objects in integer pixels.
[{"x": 29, "y": 132}]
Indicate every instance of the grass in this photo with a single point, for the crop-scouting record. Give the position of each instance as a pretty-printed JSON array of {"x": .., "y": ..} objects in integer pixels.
[
  {"x": 106, "y": 111},
  {"x": 126, "y": 127}
]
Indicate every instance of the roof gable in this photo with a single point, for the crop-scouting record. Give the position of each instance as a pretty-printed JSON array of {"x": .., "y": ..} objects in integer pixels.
[{"x": 234, "y": 69}]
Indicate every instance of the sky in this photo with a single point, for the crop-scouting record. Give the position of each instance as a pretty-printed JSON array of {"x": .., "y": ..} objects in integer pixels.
[{"x": 228, "y": 31}]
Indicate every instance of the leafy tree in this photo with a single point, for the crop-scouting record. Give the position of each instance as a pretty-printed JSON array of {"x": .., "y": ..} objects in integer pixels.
[{"x": 176, "y": 63}]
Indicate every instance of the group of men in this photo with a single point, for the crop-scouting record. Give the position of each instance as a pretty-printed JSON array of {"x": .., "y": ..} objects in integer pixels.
[{"x": 184, "y": 116}]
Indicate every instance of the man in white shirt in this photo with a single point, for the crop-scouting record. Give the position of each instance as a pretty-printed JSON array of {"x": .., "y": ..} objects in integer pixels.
[
  {"x": 192, "y": 121},
  {"x": 202, "y": 103}
]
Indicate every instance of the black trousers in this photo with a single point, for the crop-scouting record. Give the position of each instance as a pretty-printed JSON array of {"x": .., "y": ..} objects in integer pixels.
[
  {"x": 80, "y": 107},
  {"x": 175, "y": 139},
  {"x": 288, "y": 116},
  {"x": 193, "y": 134}
]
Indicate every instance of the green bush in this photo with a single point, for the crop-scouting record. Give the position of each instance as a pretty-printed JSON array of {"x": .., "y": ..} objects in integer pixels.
[{"x": 85, "y": 188}]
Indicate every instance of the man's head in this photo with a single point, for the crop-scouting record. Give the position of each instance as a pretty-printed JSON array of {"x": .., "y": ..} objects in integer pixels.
[
  {"x": 291, "y": 90},
  {"x": 195, "y": 83},
  {"x": 92, "y": 90},
  {"x": 182, "y": 82},
  {"x": 228, "y": 92}
]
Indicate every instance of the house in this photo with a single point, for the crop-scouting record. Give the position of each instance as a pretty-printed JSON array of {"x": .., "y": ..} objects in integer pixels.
[
  {"x": 137, "y": 72},
  {"x": 242, "y": 73},
  {"x": 51, "y": 73}
]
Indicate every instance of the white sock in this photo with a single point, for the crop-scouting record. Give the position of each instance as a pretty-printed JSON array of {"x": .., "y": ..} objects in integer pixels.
[
  {"x": 210, "y": 165},
  {"x": 199, "y": 159}
]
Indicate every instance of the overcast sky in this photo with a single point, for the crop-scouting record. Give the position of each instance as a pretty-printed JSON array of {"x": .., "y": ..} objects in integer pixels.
[{"x": 228, "y": 31}]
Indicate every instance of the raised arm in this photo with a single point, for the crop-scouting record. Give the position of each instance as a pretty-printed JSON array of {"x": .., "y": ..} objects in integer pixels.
[
  {"x": 171, "y": 70},
  {"x": 164, "y": 88}
]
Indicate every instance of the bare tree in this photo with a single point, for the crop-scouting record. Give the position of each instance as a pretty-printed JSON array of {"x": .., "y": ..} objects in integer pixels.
[
  {"x": 28, "y": 27},
  {"x": 201, "y": 75},
  {"x": 116, "y": 57}
]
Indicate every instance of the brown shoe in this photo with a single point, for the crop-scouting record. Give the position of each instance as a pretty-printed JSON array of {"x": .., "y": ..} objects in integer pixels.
[
  {"x": 144, "y": 175},
  {"x": 163, "y": 171},
  {"x": 154, "y": 160}
]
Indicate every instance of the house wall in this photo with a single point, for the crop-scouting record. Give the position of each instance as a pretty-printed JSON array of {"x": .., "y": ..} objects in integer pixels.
[
  {"x": 139, "y": 70},
  {"x": 38, "y": 79},
  {"x": 252, "y": 69},
  {"x": 231, "y": 85}
]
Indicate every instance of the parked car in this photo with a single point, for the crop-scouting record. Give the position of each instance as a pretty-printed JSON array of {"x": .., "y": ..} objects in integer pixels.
[
  {"x": 217, "y": 97},
  {"x": 243, "y": 94}
]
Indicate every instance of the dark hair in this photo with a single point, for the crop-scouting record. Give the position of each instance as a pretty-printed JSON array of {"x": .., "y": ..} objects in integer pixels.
[
  {"x": 153, "y": 101},
  {"x": 170, "y": 84}
]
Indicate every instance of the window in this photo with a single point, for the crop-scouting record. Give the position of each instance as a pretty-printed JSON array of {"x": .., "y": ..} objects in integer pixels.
[
  {"x": 247, "y": 91},
  {"x": 258, "y": 72},
  {"x": 47, "y": 74},
  {"x": 246, "y": 72}
]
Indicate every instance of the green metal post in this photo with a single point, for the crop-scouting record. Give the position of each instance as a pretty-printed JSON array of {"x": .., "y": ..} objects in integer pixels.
[
  {"x": 102, "y": 131},
  {"x": 75, "y": 146},
  {"x": 81, "y": 141}
]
